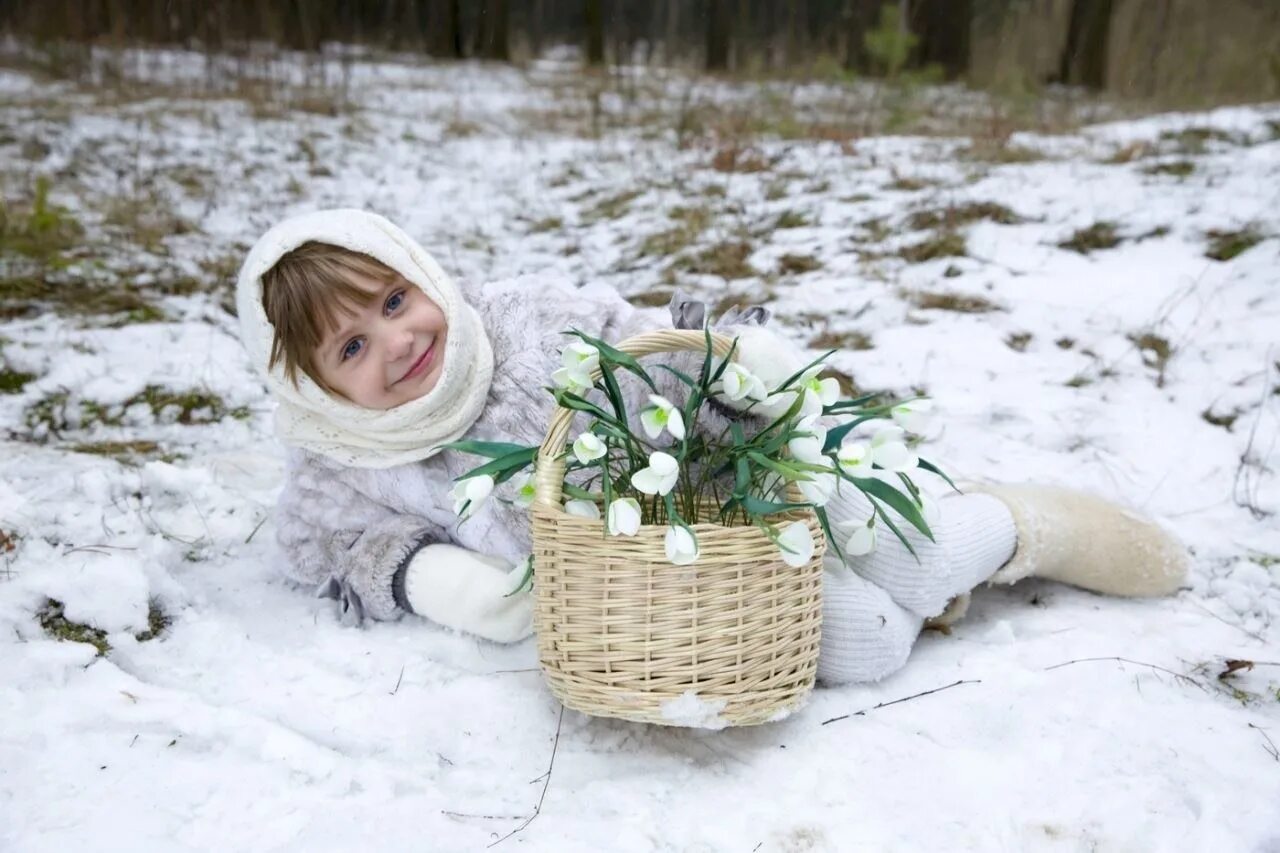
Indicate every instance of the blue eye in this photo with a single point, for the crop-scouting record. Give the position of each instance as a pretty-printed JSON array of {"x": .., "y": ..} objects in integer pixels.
[
  {"x": 394, "y": 301},
  {"x": 352, "y": 349}
]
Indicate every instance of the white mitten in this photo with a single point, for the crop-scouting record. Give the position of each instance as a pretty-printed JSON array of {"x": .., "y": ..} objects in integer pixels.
[
  {"x": 768, "y": 357},
  {"x": 471, "y": 592}
]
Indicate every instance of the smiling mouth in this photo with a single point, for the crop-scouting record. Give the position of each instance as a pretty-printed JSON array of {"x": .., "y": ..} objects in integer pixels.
[{"x": 420, "y": 366}]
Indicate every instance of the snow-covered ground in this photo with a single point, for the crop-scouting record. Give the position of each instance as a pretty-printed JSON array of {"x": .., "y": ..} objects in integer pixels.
[{"x": 1147, "y": 371}]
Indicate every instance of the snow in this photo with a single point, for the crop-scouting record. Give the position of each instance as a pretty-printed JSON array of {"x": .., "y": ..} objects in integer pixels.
[{"x": 256, "y": 721}]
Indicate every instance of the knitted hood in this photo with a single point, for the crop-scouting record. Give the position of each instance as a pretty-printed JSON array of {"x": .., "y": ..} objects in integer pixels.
[{"x": 309, "y": 417}]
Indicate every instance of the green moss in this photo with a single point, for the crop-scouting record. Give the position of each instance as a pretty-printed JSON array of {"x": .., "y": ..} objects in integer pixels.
[
  {"x": 13, "y": 381},
  {"x": 944, "y": 244},
  {"x": 1225, "y": 245},
  {"x": 55, "y": 623},
  {"x": 1176, "y": 169},
  {"x": 791, "y": 219},
  {"x": 1225, "y": 421},
  {"x": 1194, "y": 140},
  {"x": 1098, "y": 236},
  {"x": 185, "y": 407},
  {"x": 955, "y": 216},
  {"x": 1018, "y": 341},
  {"x": 550, "y": 223},
  {"x": 38, "y": 229},
  {"x": 790, "y": 264},
  {"x": 691, "y": 222}
]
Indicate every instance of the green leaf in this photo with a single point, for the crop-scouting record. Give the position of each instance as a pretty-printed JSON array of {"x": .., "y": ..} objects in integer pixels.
[
  {"x": 513, "y": 462},
  {"x": 617, "y": 356},
  {"x": 929, "y": 466},
  {"x": 724, "y": 363},
  {"x": 884, "y": 516},
  {"x": 572, "y": 401},
  {"x": 788, "y": 473},
  {"x": 757, "y": 506},
  {"x": 490, "y": 449},
  {"x": 525, "y": 579},
  {"x": 836, "y": 435},
  {"x": 801, "y": 371},
  {"x": 900, "y": 503},
  {"x": 682, "y": 376},
  {"x": 578, "y": 493},
  {"x": 614, "y": 394},
  {"x": 825, "y": 522},
  {"x": 857, "y": 403}
]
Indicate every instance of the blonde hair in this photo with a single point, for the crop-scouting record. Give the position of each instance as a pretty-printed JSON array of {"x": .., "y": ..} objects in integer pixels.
[{"x": 306, "y": 293}]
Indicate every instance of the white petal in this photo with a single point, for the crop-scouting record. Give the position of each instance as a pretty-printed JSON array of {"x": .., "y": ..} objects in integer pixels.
[
  {"x": 680, "y": 546},
  {"x": 588, "y": 447},
  {"x": 757, "y": 391},
  {"x": 653, "y": 421},
  {"x": 818, "y": 491},
  {"x": 478, "y": 488},
  {"x": 668, "y": 482},
  {"x": 894, "y": 456},
  {"x": 580, "y": 355},
  {"x": 862, "y": 541},
  {"x": 828, "y": 391},
  {"x": 661, "y": 402},
  {"x": 647, "y": 480},
  {"x": 887, "y": 434},
  {"x": 663, "y": 463},
  {"x": 735, "y": 388},
  {"x": 582, "y": 509},
  {"x": 806, "y": 449},
  {"x": 623, "y": 517},
  {"x": 675, "y": 424},
  {"x": 796, "y": 544},
  {"x": 812, "y": 404}
]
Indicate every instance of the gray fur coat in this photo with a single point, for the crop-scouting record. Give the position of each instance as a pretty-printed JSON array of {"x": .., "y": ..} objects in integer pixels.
[{"x": 356, "y": 528}]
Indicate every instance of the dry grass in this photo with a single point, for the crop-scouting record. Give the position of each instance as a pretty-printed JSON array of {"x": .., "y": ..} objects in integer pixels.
[
  {"x": 1225, "y": 245},
  {"x": 956, "y": 216},
  {"x": 1095, "y": 238},
  {"x": 791, "y": 264},
  {"x": 850, "y": 340},
  {"x": 944, "y": 244},
  {"x": 933, "y": 300}
]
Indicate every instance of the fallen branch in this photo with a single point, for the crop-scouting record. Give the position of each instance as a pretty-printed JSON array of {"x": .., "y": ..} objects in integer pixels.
[
  {"x": 864, "y": 711},
  {"x": 537, "y": 810},
  {"x": 1270, "y": 745},
  {"x": 1177, "y": 675}
]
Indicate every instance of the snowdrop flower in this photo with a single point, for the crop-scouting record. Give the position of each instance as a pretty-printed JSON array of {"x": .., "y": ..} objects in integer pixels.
[
  {"x": 854, "y": 458},
  {"x": 662, "y": 414},
  {"x": 737, "y": 382},
  {"x": 525, "y": 489},
  {"x": 578, "y": 359},
  {"x": 661, "y": 475},
  {"x": 808, "y": 448},
  {"x": 571, "y": 381},
  {"x": 861, "y": 541},
  {"x": 682, "y": 548},
  {"x": 890, "y": 451},
  {"x": 468, "y": 494},
  {"x": 817, "y": 392},
  {"x": 623, "y": 517},
  {"x": 818, "y": 489},
  {"x": 582, "y": 509},
  {"x": 913, "y": 415},
  {"x": 796, "y": 544},
  {"x": 588, "y": 447}
]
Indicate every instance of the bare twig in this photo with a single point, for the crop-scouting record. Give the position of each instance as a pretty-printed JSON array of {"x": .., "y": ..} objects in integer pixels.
[
  {"x": 255, "y": 530},
  {"x": 1255, "y": 636},
  {"x": 1241, "y": 495},
  {"x": 482, "y": 816},
  {"x": 396, "y": 689},
  {"x": 1177, "y": 675},
  {"x": 1270, "y": 746},
  {"x": 864, "y": 711},
  {"x": 537, "y": 810}
]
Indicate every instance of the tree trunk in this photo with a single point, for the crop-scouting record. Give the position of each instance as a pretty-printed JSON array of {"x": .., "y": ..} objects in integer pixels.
[
  {"x": 1084, "y": 60},
  {"x": 444, "y": 30},
  {"x": 943, "y": 29},
  {"x": 595, "y": 32},
  {"x": 718, "y": 22}
]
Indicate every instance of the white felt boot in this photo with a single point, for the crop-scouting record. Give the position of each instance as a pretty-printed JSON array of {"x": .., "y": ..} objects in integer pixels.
[{"x": 1079, "y": 539}]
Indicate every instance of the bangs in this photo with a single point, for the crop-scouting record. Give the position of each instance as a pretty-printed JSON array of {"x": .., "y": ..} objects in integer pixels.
[{"x": 307, "y": 295}]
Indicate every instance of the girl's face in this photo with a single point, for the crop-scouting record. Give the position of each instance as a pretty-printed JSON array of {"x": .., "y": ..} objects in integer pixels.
[{"x": 388, "y": 352}]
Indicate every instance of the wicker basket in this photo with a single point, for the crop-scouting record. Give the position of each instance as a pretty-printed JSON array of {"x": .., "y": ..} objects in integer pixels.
[{"x": 731, "y": 639}]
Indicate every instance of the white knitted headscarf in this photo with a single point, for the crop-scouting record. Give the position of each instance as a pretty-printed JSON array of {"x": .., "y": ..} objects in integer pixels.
[{"x": 308, "y": 416}]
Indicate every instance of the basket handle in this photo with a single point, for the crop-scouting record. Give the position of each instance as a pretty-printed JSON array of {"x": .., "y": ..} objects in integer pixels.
[{"x": 552, "y": 460}]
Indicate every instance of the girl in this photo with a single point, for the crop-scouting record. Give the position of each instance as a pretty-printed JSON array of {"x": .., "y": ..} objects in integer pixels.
[{"x": 377, "y": 360}]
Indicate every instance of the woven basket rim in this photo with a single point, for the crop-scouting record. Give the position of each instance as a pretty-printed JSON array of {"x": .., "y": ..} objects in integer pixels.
[{"x": 561, "y": 516}]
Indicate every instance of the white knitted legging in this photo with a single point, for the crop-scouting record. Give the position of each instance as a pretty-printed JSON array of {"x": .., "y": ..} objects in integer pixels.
[{"x": 873, "y": 608}]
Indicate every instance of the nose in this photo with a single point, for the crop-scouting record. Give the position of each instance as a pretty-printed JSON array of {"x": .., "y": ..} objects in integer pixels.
[{"x": 399, "y": 344}]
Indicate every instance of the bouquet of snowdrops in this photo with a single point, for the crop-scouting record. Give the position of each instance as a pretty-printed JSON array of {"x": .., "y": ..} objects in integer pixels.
[{"x": 810, "y": 444}]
